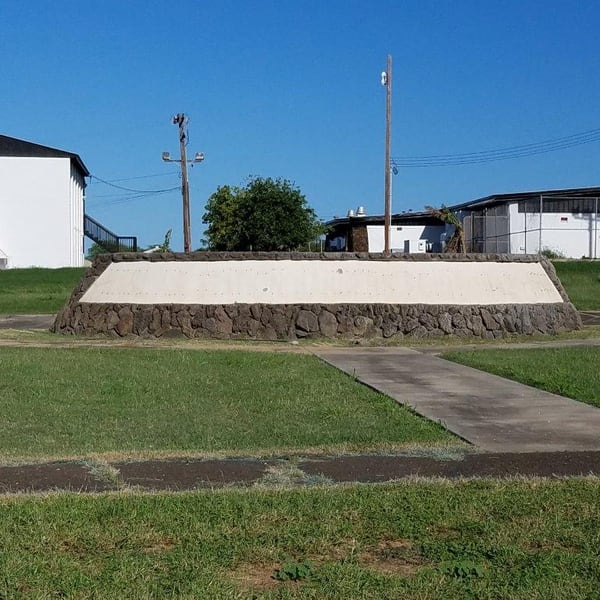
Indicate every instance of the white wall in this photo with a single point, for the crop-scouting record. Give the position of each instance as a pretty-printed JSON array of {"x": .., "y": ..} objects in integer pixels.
[
  {"x": 41, "y": 212},
  {"x": 573, "y": 236},
  {"x": 76, "y": 207},
  {"x": 323, "y": 282},
  {"x": 400, "y": 233}
]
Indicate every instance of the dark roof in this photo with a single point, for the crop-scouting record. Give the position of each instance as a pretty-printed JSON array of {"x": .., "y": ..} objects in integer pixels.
[
  {"x": 423, "y": 217},
  {"x": 407, "y": 218},
  {"x": 10, "y": 146},
  {"x": 495, "y": 199}
]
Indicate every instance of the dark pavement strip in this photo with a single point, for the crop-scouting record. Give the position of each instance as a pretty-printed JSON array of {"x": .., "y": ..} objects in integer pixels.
[
  {"x": 26, "y": 321},
  {"x": 369, "y": 469},
  {"x": 188, "y": 474},
  {"x": 590, "y": 317},
  {"x": 50, "y": 476}
]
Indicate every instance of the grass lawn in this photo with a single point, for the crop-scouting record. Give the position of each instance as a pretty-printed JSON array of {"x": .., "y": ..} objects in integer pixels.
[
  {"x": 413, "y": 540},
  {"x": 572, "y": 372},
  {"x": 36, "y": 291},
  {"x": 581, "y": 280},
  {"x": 74, "y": 402}
]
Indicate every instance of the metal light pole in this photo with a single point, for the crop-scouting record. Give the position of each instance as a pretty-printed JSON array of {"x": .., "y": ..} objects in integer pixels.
[
  {"x": 181, "y": 120},
  {"x": 386, "y": 80}
]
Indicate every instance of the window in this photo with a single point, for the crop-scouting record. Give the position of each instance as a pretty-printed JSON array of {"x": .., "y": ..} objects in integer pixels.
[{"x": 575, "y": 206}]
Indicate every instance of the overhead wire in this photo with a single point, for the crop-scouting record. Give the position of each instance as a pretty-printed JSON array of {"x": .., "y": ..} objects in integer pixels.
[
  {"x": 121, "y": 200},
  {"x": 164, "y": 174},
  {"x": 127, "y": 189},
  {"x": 130, "y": 194},
  {"x": 511, "y": 152}
]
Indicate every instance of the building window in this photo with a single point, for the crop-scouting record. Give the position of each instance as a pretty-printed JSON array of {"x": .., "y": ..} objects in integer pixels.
[{"x": 574, "y": 206}]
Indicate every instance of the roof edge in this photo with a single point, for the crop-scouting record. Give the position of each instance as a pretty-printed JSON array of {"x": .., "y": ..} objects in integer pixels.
[{"x": 10, "y": 146}]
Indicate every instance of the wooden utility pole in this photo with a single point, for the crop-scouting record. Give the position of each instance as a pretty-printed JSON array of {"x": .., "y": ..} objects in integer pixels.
[
  {"x": 387, "y": 81},
  {"x": 181, "y": 120}
]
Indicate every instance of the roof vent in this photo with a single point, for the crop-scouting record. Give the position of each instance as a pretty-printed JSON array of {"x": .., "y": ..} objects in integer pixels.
[
  {"x": 361, "y": 212},
  {"x": 350, "y": 213}
]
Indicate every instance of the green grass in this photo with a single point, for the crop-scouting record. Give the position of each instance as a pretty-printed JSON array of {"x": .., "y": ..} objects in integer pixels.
[
  {"x": 73, "y": 402},
  {"x": 581, "y": 280},
  {"x": 536, "y": 540},
  {"x": 36, "y": 291},
  {"x": 573, "y": 372}
]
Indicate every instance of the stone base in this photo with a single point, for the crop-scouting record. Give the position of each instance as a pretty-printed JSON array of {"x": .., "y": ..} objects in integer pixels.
[{"x": 289, "y": 322}]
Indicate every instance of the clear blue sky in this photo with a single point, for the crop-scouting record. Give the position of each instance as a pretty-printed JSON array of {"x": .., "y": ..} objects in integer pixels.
[{"x": 291, "y": 89}]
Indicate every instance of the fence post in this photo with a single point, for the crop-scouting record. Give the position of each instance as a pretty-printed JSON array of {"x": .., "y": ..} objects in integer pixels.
[
  {"x": 540, "y": 232},
  {"x": 596, "y": 227}
]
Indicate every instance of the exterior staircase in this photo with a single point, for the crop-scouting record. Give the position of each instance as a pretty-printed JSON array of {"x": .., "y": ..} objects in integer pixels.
[{"x": 110, "y": 241}]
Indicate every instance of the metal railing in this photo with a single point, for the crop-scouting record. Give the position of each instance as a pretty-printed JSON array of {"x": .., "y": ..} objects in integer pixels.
[{"x": 110, "y": 241}]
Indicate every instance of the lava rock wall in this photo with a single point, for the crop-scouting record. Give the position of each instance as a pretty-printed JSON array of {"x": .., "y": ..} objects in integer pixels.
[{"x": 296, "y": 321}]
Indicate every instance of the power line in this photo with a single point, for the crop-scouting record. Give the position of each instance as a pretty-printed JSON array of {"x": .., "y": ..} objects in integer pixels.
[
  {"x": 511, "y": 152},
  {"x": 509, "y": 148},
  {"x": 167, "y": 174},
  {"x": 120, "y": 187},
  {"x": 123, "y": 199}
]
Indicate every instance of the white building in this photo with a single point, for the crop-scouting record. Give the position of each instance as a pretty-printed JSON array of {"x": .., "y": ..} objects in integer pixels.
[
  {"x": 564, "y": 222},
  {"x": 41, "y": 205},
  {"x": 409, "y": 232}
]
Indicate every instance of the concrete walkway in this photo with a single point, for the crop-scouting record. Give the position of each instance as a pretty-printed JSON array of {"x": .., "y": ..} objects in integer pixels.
[{"x": 492, "y": 413}]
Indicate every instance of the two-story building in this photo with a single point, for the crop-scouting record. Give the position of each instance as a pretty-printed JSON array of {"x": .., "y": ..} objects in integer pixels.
[{"x": 41, "y": 205}]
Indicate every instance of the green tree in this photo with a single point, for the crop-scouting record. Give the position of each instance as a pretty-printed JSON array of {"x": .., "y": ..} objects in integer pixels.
[
  {"x": 223, "y": 219},
  {"x": 266, "y": 215}
]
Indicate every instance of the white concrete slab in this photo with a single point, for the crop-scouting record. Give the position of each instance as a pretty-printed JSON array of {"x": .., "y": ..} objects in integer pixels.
[{"x": 323, "y": 282}]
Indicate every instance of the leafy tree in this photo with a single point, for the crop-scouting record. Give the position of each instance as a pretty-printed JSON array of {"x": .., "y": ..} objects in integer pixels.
[
  {"x": 223, "y": 219},
  {"x": 266, "y": 215}
]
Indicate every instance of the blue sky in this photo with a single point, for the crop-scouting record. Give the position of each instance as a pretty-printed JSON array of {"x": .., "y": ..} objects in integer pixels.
[{"x": 292, "y": 89}]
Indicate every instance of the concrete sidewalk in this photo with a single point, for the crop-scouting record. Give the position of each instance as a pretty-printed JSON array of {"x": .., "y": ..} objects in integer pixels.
[{"x": 491, "y": 412}]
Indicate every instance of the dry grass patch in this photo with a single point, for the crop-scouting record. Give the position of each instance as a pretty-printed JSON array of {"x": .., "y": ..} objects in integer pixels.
[
  {"x": 398, "y": 558},
  {"x": 256, "y": 577}
]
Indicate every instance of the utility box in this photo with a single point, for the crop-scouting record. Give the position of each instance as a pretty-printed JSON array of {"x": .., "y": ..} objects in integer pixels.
[{"x": 415, "y": 246}]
